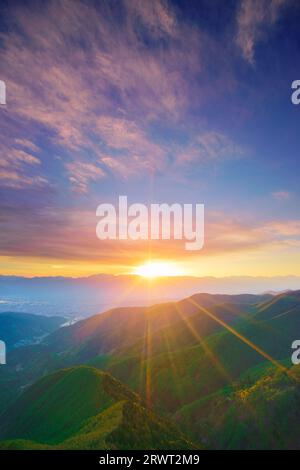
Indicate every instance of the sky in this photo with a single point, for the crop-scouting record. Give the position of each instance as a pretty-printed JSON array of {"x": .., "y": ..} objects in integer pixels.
[{"x": 163, "y": 101}]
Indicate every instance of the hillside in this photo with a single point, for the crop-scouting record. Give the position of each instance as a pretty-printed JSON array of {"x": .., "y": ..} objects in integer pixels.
[
  {"x": 198, "y": 350},
  {"x": 149, "y": 343},
  {"x": 83, "y": 408},
  {"x": 120, "y": 333},
  {"x": 176, "y": 356},
  {"x": 264, "y": 415},
  {"x": 119, "y": 328},
  {"x": 18, "y": 329}
]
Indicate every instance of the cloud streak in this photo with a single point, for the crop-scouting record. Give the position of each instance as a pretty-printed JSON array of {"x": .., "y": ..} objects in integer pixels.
[
  {"x": 210, "y": 148},
  {"x": 281, "y": 195},
  {"x": 254, "y": 19}
]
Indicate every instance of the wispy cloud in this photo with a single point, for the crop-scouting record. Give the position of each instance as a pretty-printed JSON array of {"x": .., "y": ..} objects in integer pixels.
[
  {"x": 15, "y": 160},
  {"x": 281, "y": 195},
  {"x": 98, "y": 90},
  {"x": 82, "y": 173},
  {"x": 16, "y": 180},
  {"x": 27, "y": 144},
  {"x": 158, "y": 16},
  {"x": 132, "y": 143},
  {"x": 210, "y": 147},
  {"x": 254, "y": 19},
  {"x": 70, "y": 235},
  {"x": 233, "y": 235}
]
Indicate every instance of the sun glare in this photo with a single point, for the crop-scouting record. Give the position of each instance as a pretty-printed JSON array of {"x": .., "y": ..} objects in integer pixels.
[{"x": 152, "y": 270}]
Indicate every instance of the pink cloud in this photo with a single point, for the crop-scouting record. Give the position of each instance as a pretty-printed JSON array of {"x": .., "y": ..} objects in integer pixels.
[
  {"x": 156, "y": 15},
  {"x": 16, "y": 180},
  {"x": 210, "y": 147},
  {"x": 81, "y": 173},
  {"x": 254, "y": 18},
  {"x": 14, "y": 165},
  {"x": 27, "y": 144},
  {"x": 281, "y": 195},
  {"x": 67, "y": 90},
  {"x": 140, "y": 153}
]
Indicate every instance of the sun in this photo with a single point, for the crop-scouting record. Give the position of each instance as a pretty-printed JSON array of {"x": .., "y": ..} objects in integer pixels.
[{"x": 152, "y": 270}]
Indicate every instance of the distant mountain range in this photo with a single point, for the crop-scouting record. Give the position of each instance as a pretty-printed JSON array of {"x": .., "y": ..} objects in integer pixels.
[
  {"x": 217, "y": 368},
  {"x": 82, "y": 297}
]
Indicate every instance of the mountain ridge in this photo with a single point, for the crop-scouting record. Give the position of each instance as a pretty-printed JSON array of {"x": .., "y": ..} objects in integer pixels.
[{"x": 84, "y": 408}]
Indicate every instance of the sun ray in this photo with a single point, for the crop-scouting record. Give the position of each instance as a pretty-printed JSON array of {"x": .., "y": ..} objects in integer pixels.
[
  {"x": 148, "y": 366},
  {"x": 241, "y": 337},
  {"x": 219, "y": 366}
]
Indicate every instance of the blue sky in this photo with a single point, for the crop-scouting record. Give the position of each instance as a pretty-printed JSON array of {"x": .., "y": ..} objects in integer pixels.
[{"x": 164, "y": 101}]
